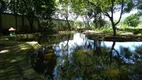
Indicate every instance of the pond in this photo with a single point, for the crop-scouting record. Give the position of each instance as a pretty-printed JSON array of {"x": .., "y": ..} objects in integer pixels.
[{"x": 75, "y": 57}]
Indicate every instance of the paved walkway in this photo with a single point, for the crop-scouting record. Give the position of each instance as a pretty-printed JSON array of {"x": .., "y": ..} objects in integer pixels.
[{"x": 14, "y": 61}]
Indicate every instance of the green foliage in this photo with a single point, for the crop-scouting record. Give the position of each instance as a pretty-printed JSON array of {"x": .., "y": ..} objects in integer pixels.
[
  {"x": 84, "y": 66},
  {"x": 94, "y": 65},
  {"x": 42, "y": 8},
  {"x": 3, "y": 6},
  {"x": 112, "y": 74},
  {"x": 79, "y": 7},
  {"x": 47, "y": 27},
  {"x": 98, "y": 23},
  {"x": 79, "y": 24},
  {"x": 129, "y": 6},
  {"x": 132, "y": 20},
  {"x": 139, "y": 6},
  {"x": 96, "y": 8},
  {"x": 139, "y": 50},
  {"x": 106, "y": 29}
]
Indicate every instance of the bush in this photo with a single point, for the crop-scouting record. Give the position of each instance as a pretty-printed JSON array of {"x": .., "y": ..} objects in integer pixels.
[
  {"x": 132, "y": 20},
  {"x": 47, "y": 27},
  {"x": 4, "y": 31}
]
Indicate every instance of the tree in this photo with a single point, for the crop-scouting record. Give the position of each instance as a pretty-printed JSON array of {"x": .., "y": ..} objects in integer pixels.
[
  {"x": 64, "y": 11},
  {"x": 139, "y": 6},
  {"x": 132, "y": 20},
  {"x": 33, "y": 8},
  {"x": 13, "y": 6},
  {"x": 2, "y": 9},
  {"x": 99, "y": 22},
  {"x": 105, "y": 7},
  {"x": 82, "y": 9}
]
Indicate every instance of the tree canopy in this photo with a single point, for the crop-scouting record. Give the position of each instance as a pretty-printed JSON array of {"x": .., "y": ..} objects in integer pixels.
[
  {"x": 93, "y": 8},
  {"x": 139, "y": 6},
  {"x": 132, "y": 20},
  {"x": 40, "y": 8}
]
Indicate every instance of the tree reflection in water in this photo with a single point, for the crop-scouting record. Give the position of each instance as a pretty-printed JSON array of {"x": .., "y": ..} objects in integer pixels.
[{"x": 95, "y": 60}]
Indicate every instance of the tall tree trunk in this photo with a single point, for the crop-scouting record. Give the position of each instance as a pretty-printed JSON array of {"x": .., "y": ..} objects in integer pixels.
[
  {"x": 69, "y": 27},
  {"x": 16, "y": 25},
  {"x": 88, "y": 24},
  {"x": 114, "y": 28},
  {"x": 0, "y": 21},
  {"x": 112, "y": 16},
  {"x": 23, "y": 22},
  {"x": 2, "y": 8},
  {"x": 39, "y": 26},
  {"x": 111, "y": 19},
  {"x": 84, "y": 22},
  {"x": 30, "y": 19},
  {"x": 15, "y": 14}
]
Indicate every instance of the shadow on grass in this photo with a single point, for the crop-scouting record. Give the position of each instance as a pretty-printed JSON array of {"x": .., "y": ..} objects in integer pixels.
[{"x": 14, "y": 60}]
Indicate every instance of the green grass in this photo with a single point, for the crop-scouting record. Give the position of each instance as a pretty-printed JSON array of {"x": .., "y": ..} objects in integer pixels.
[
  {"x": 123, "y": 30},
  {"x": 104, "y": 30}
]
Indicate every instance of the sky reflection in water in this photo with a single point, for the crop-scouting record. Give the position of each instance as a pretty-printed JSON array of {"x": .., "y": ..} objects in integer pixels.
[
  {"x": 80, "y": 41},
  {"x": 131, "y": 45}
]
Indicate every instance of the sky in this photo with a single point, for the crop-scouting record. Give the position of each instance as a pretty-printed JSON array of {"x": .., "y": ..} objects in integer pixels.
[{"x": 116, "y": 15}]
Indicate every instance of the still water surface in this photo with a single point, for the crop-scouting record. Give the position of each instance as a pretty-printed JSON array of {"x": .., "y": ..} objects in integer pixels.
[{"x": 76, "y": 57}]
